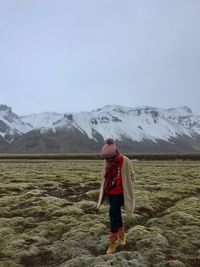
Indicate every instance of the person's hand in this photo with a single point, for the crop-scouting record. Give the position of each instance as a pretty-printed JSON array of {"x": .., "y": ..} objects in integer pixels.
[{"x": 96, "y": 208}]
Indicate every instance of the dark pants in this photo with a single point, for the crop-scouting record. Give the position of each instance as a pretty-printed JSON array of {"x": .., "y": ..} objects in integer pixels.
[{"x": 116, "y": 201}]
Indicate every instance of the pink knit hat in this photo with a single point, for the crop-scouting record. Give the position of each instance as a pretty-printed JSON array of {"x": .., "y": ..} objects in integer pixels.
[{"x": 109, "y": 150}]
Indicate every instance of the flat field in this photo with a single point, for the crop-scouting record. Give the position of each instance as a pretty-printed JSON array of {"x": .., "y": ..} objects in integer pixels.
[{"x": 48, "y": 215}]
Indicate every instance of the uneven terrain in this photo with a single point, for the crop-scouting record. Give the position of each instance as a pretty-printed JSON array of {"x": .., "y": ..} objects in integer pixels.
[{"x": 48, "y": 215}]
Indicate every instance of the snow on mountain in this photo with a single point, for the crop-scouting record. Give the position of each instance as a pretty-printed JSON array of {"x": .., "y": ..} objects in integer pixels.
[
  {"x": 42, "y": 120},
  {"x": 136, "y": 124},
  {"x": 11, "y": 125},
  {"x": 147, "y": 123},
  {"x": 184, "y": 117},
  {"x": 118, "y": 122}
]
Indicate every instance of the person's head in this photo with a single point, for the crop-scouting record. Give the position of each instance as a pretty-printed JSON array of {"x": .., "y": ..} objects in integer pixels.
[{"x": 109, "y": 150}]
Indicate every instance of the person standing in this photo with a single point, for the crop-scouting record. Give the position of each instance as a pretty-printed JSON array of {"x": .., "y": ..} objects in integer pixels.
[{"x": 117, "y": 186}]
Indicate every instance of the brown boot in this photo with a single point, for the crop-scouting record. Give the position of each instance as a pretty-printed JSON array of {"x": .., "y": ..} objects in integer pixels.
[
  {"x": 121, "y": 237},
  {"x": 113, "y": 244}
]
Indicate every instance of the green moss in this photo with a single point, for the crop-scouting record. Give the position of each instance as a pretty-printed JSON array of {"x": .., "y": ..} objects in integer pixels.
[
  {"x": 93, "y": 193},
  {"x": 48, "y": 214}
]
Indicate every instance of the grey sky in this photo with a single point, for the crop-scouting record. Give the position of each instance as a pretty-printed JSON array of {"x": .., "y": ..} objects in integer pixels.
[{"x": 75, "y": 55}]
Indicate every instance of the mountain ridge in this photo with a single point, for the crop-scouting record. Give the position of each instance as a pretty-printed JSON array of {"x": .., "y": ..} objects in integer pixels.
[{"x": 150, "y": 127}]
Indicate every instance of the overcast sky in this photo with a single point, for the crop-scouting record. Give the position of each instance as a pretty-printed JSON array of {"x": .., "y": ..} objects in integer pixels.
[{"x": 76, "y": 55}]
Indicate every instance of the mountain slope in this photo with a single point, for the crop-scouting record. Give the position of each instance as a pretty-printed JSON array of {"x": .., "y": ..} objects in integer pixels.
[
  {"x": 142, "y": 129},
  {"x": 62, "y": 141},
  {"x": 45, "y": 119},
  {"x": 143, "y": 123},
  {"x": 11, "y": 126}
]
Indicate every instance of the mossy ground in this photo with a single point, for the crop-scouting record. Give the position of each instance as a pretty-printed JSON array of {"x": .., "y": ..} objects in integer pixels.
[{"x": 48, "y": 215}]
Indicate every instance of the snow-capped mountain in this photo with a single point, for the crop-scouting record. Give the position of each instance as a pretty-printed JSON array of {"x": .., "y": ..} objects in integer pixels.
[
  {"x": 143, "y": 123},
  {"x": 11, "y": 126},
  {"x": 133, "y": 128},
  {"x": 42, "y": 120}
]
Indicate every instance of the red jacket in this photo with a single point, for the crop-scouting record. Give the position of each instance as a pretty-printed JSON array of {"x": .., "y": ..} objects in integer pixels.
[{"x": 118, "y": 189}]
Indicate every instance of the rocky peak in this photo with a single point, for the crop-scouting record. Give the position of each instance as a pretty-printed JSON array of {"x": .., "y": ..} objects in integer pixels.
[
  {"x": 187, "y": 109},
  {"x": 5, "y": 108},
  {"x": 7, "y": 114}
]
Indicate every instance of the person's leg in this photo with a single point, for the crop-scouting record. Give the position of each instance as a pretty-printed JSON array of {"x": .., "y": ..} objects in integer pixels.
[
  {"x": 120, "y": 203},
  {"x": 121, "y": 236},
  {"x": 116, "y": 201}
]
